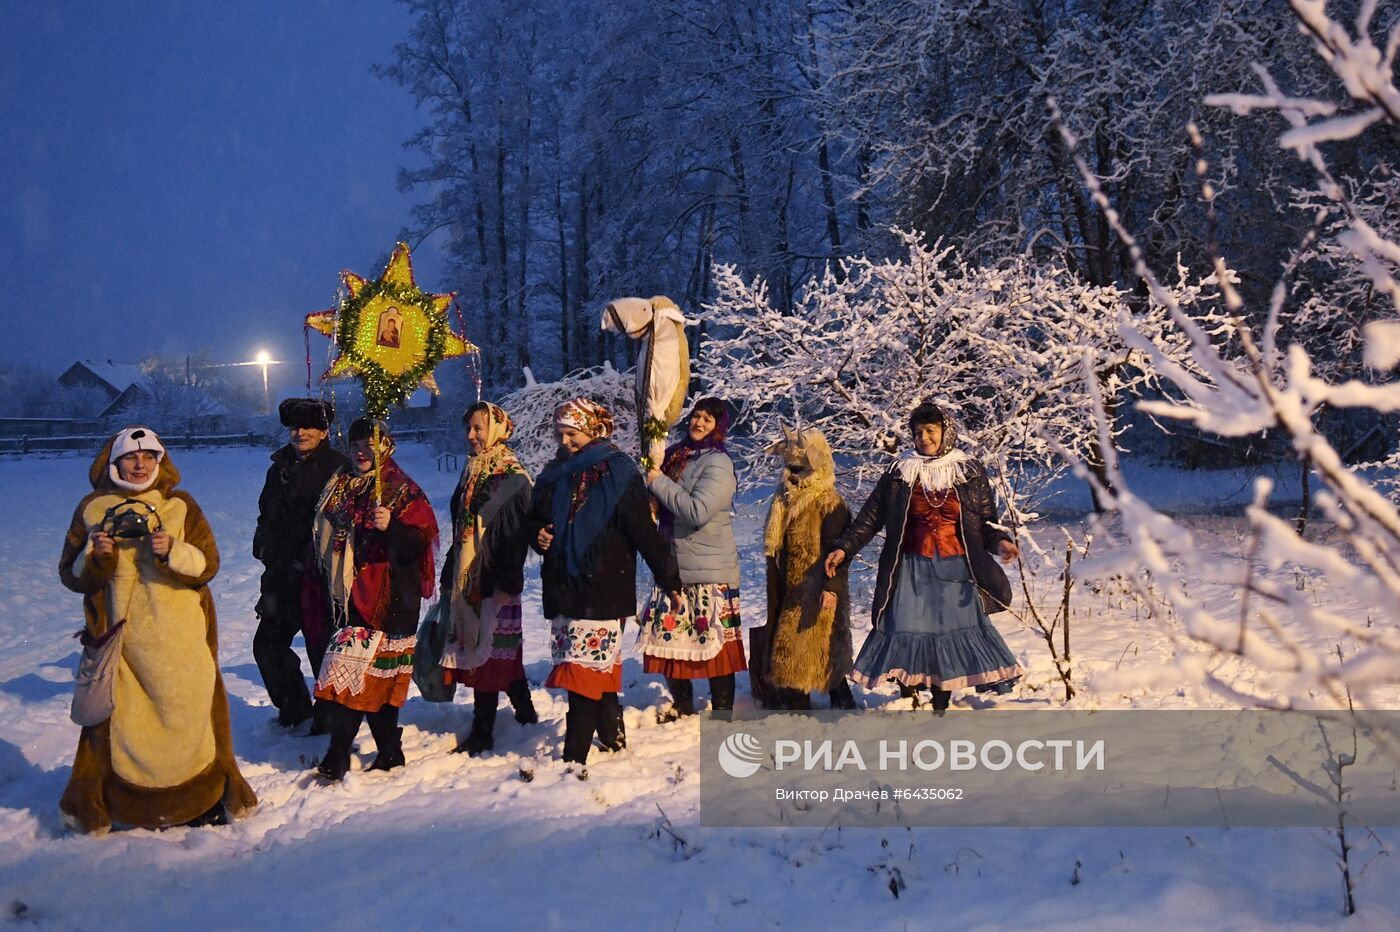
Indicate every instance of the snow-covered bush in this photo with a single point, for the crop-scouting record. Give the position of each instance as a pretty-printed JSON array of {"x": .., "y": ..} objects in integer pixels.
[
  {"x": 1002, "y": 346},
  {"x": 171, "y": 403},
  {"x": 532, "y": 406},
  {"x": 1266, "y": 642}
]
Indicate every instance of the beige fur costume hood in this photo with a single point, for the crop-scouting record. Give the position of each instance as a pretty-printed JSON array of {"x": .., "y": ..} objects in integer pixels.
[{"x": 165, "y": 757}]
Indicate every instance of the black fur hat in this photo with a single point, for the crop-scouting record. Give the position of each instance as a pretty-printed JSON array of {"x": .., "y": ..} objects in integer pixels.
[{"x": 306, "y": 412}]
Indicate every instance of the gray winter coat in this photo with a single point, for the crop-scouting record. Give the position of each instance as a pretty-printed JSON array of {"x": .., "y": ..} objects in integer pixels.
[{"x": 700, "y": 503}]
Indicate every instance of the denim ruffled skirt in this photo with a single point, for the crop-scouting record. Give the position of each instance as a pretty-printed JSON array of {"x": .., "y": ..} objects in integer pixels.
[{"x": 935, "y": 633}]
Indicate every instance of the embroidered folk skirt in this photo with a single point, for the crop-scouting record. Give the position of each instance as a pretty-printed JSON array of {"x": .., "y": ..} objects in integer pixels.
[
  {"x": 587, "y": 655},
  {"x": 697, "y": 636},
  {"x": 366, "y": 669},
  {"x": 935, "y": 632},
  {"x": 503, "y": 661}
]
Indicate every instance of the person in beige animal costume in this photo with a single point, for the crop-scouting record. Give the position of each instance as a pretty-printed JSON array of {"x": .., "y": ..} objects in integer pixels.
[{"x": 165, "y": 757}]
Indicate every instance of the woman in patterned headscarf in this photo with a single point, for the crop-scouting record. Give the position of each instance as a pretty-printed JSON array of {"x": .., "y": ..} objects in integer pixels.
[
  {"x": 697, "y": 636},
  {"x": 376, "y": 557},
  {"x": 483, "y": 574},
  {"x": 937, "y": 580},
  {"x": 590, "y": 517}
]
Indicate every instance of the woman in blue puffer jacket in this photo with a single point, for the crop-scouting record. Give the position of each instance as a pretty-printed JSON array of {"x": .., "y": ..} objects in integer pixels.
[{"x": 697, "y": 636}]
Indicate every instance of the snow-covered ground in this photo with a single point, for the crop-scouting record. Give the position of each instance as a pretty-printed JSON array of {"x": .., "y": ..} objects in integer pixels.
[{"x": 452, "y": 842}]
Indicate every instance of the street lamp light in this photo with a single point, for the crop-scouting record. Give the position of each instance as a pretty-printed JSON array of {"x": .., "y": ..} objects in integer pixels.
[{"x": 264, "y": 359}]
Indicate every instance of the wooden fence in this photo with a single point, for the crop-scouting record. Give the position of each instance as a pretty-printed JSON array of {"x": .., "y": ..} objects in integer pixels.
[{"x": 440, "y": 438}]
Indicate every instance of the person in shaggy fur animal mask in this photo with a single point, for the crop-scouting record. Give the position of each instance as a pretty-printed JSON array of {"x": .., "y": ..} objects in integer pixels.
[{"x": 806, "y": 645}]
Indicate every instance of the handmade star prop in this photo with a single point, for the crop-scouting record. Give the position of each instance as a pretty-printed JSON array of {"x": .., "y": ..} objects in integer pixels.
[{"x": 390, "y": 334}]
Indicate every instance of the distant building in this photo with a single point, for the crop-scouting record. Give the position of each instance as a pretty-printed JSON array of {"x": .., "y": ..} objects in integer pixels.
[
  {"x": 126, "y": 384},
  {"x": 16, "y": 427},
  {"x": 121, "y": 382}
]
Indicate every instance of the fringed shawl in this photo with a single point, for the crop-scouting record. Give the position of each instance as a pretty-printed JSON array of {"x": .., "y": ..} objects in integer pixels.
[
  {"x": 354, "y": 557},
  {"x": 587, "y": 487}
]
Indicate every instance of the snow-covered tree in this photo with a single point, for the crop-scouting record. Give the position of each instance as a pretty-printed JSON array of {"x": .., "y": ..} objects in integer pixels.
[
  {"x": 1332, "y": 299},
  {"x": 170, "y": 403},
  {"x": 26, "y": 391},
  {"x": 1001, "y": 345},
  {"x": 576, "y": 152},
  {"x": 1265, "y": 642},
  {"x": 945, "y": 105}
]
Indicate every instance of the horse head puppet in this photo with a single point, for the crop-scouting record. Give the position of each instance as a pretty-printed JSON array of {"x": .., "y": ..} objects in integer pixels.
[{"x": 663, "y": 366}]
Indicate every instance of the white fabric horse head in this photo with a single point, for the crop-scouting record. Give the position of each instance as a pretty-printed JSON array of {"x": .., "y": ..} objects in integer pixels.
[
  {"x": 634, "y": 316},
  {"x": 663, "y": 368}
]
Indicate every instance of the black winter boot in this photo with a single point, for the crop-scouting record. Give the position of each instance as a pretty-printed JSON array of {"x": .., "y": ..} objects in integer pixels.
[
  {"x": 291, "y": 718},
  {"x": 682, "y": 701},
  {"x": 318, "y": 719},
  {"x": 722, "y": 693},
  {"x": 388, "y": 759},
  {"x": 335, "y": 763},
  {"x": 579, "y": 725},
  {"x": 520, "y": 700},
  {"x": 482, "y": 736},
  {"x": 612, "y": 732},
  {"x": 841, "y": 697},
  {"x": 388, "y": 738},
  {"x": 1002, "y": 688},
  {"x": 343, "y": 724},
  {"x": 941, "y": 699}
]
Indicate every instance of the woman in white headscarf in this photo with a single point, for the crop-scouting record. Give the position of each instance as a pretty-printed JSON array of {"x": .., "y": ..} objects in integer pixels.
[
  {"x": 483, "y": 575},
  {"x": 937, "y": 580}
]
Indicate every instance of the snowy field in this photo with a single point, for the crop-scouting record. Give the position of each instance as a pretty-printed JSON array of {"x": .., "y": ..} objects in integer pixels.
[{"x": 452, "y": 842}]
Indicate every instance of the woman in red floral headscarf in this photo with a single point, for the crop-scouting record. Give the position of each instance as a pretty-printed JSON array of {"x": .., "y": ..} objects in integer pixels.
[
  {"x": 376, "y": 556},
  {"x": 697, "y": 636}
]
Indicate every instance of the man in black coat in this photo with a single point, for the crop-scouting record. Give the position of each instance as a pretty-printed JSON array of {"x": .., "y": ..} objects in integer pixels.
[{"x": 282, "y": 542}]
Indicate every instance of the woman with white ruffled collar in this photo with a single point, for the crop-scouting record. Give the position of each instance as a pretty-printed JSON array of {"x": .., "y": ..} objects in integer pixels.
[{"x": 937, "y": 578}]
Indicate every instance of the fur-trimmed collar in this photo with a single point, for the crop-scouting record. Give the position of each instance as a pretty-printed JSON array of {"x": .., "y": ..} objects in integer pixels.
[{"x": 936, "y": 473}]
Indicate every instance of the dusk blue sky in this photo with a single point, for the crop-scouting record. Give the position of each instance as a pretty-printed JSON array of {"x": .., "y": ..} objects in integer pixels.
[{"x": 187, "y": 175}]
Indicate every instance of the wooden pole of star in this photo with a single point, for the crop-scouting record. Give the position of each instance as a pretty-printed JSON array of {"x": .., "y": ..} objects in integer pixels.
[{"x": 378, "y": 479}]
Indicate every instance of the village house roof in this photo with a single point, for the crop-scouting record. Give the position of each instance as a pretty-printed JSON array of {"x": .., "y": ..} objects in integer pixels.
[{"x": 113, "y": 377}]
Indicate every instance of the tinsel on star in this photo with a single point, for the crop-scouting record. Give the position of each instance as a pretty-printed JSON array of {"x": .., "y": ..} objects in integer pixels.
[{"x": 389, "y": 334}]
